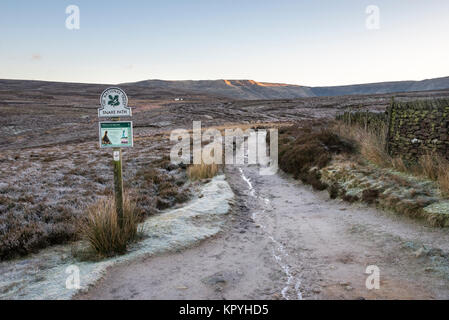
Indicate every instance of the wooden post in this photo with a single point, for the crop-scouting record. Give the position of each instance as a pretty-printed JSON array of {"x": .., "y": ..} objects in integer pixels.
[
  {"x": 366, "y": 121},
  {"x": 118, "y": 185},
  {"x": 114, "y": 103}
]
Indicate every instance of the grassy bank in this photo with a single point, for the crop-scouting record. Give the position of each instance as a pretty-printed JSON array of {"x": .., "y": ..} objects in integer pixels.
[
  {"x": 350, "y": 161},
  {"x": 371, "y": 144}
]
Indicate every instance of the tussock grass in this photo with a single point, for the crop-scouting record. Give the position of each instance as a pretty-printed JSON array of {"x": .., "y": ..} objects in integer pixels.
[
  {"x": 371, "y": 143},
  {"x": 372, "y": 148},
  {"x": 202, "y": 171},
  {"x": 436, "y": 168},
  {"x": 430, "y": 165},
  {"x": 101, "y": 229},
  {"x": 398, "y": 164},
  {"x": 443, "y": 181}
]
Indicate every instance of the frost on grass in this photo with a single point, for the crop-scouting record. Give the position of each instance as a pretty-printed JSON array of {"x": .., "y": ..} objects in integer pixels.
[
  {"x": 44, "y": 192},
  {"x": 388, "y": 189},
  {"x": 440, "y": 207},
  {"x": 340, "y": 162},
  {"x": 43, "y": 276}
]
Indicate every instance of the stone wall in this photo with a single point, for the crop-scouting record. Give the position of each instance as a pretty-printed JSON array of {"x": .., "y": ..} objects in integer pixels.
[
  {"x": 416, "y": 128},
  {"x": 371, "y": 121}
]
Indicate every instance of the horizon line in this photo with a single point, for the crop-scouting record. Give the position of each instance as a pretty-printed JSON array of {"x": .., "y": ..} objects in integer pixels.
[{"x": 221, "y": 79}]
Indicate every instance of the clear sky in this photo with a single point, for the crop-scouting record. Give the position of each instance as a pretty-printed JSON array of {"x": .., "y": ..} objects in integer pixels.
[{"x": 306, "y": 42}]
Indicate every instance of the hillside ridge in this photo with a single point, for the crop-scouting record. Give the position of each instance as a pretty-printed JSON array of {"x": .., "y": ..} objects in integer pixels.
[{"x": 238, "y": 89}]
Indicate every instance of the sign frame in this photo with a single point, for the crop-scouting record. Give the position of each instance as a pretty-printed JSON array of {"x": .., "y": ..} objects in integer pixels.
[
  {"x": 119, "y": 110},
  {"x": 116, "y": 146}
]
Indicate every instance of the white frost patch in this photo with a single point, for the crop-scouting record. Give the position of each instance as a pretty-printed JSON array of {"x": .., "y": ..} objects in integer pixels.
[
  {"x": 279, "y": 247},
  {"x": 250, "y": 186},
  {"x": 440, "y": 207},
  {"x": 43, "y": 276}
]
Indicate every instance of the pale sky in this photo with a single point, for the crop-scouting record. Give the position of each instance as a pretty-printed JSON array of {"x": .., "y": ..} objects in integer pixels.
[{"x": 305, "y": 42}]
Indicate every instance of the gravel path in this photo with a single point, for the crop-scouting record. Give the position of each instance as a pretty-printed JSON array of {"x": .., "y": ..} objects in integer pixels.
[{"x": 285, "y": 241}]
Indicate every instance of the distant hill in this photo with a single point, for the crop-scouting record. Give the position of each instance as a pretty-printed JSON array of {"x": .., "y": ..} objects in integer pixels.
[
  {"x": 383, "y": 87},
  {"x": 234, "y": 89},
  {"x": 216, "y": 89},
  {"x": 253, "y": 90}
]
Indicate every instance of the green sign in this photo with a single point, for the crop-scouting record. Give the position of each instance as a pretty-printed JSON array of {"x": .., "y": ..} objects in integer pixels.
[{"x": 117, "y": 134}]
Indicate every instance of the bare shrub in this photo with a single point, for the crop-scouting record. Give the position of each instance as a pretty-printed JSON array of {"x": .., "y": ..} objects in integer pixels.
[
  {"x": 157, "y": 189},
  {"x": 304, "y": 148},
  {"x": 101, "y": 228},
  {"x": 24, "y": 232}
]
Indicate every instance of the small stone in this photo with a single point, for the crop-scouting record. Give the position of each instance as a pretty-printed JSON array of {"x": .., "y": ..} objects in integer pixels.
[
  {"x": 418, "y": 253},
  {"x": 316, "y": 290},
  {"x": 349, "y": 288}
]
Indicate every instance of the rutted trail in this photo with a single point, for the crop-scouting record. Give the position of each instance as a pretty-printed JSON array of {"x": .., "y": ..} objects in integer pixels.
[
  {"x": 324, "y": 245},
  {"x": 285, "y": 241},
  {"x": 279, "y": 252}
]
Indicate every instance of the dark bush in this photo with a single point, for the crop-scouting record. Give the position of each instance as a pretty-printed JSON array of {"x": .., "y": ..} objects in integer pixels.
[
  {"x": 162, "y": 204},
  {"x": 304, "y": 148},
  {"x": 370, "y": 195},
  {"x": 21, "y": 234}
]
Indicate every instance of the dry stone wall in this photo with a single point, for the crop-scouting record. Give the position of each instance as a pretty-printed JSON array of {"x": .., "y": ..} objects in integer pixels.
[{"x": 416, "y": 128}]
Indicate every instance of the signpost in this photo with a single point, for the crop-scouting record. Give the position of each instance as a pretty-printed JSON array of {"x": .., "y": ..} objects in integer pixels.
[
  {"x": 114, "y": 103},
  {"x": 116, "y": 135}
]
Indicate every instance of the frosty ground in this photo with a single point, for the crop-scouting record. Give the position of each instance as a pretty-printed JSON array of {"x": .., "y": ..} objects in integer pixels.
[
  {"x": 279, "y": 240},
  {"x": 286, "y": 241}
]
